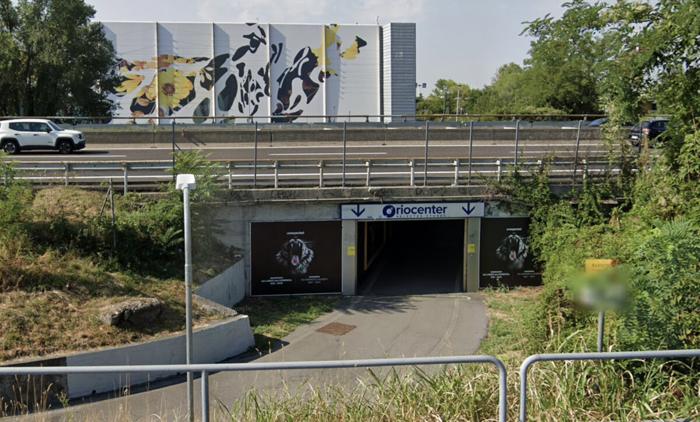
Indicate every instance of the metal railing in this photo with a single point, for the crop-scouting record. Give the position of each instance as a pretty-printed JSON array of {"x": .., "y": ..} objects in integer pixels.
[
  {"x": 597, "y": 356},
  {"x": 311, "y": 118},
  {"x": 148, "y": 175},
  {"x": 206, "y": 369}
]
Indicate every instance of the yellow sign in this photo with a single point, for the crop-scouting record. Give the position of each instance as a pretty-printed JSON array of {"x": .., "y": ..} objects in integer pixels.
[
  {"x": 352, "y": 251},
  {"x": 471, "y": 248},
  {"x": 597, "y": 265}
]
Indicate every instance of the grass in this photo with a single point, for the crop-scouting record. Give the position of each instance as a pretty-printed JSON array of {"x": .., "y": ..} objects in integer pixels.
[
  {"x": 563, "y": 391},
  {"x": 275, "y": 317},
  {"x": 51, "y": 304}
]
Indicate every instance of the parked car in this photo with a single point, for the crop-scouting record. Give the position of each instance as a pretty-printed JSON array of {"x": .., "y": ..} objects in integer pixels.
[
  {"x": 31, "y": 134},
  {"x": 650, "y": 129},
  {"x": 598, "y": 122}
]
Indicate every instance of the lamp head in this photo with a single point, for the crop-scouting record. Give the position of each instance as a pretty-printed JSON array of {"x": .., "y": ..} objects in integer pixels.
[{"x": 185, "y": 181}]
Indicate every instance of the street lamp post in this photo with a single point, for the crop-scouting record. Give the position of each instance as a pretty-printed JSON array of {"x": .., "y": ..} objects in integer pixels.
[{"x": 186, "y": 183}]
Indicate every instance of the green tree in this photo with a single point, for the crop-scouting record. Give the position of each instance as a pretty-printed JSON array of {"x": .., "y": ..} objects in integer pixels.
[
  {"x": 448, "y": 97},
  {"x": 53, "y": 59}
]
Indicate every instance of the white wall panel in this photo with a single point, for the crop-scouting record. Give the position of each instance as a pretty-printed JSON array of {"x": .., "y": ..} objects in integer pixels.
[
  {"x": 135, "y": 47},
  {"x": 241, "y": 69},
  {"x": 185, "y": 69}
]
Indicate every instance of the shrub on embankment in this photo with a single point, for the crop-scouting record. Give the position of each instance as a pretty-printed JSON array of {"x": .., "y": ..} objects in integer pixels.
[{"x": 653, "y": 237}]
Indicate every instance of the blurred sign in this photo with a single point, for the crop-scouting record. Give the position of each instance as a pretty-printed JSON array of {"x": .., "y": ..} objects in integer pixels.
[{"x": 597, "y": 265}]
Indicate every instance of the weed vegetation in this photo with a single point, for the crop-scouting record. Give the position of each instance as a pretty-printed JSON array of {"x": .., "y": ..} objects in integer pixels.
[{"x": 59, "y": 266}]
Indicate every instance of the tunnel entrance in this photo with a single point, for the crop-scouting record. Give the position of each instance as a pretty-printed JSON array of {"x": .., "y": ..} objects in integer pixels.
[{"x": 410, "y": 257}]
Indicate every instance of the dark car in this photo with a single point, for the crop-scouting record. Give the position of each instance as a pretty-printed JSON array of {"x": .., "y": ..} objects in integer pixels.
[{"x": 651, "y": 129}]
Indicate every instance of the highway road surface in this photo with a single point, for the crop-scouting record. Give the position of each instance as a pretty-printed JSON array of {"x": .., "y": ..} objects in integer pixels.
[{"x": 327, "y": 151}]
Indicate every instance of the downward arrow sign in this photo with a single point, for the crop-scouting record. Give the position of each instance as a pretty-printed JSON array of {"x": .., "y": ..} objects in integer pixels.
[
  {"x": 357, "y": 211},
  {"x": 469, "y": 208}
]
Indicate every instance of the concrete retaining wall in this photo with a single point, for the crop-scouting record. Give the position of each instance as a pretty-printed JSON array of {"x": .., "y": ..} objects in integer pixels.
[
  {"x": 227, "y": 288},
  {"x": 246, "y": 135},
  {"x": 212, "y": 344}
]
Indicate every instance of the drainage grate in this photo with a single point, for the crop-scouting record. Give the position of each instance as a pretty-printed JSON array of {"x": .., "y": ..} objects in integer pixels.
[{"x": 336, "y": 329}]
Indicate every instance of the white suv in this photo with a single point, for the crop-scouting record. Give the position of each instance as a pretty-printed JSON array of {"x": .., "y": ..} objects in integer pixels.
[{"x": 26, "y": 134}]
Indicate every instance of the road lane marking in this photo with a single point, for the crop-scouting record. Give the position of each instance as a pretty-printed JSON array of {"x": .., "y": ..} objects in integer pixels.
[{"x": 303, "y": 154}]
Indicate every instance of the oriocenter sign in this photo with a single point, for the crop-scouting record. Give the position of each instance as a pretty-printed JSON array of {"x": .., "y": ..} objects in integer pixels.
[{"x": 411, "y": 211}]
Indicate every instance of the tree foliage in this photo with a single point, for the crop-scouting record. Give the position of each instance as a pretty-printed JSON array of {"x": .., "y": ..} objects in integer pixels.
[{"x": 53, "y": 59}]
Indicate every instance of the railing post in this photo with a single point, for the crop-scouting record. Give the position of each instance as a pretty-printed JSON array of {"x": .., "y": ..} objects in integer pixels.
[
  {"x": 66, "y": 172},
  {"x": 255, "y": 156},
  {"x": 456, "y": 179},
  {"x": 345, "y": 148},
  {"x": 320, "y": 174},
  {"x": 412, "y": 167},
  {"x": 205, "y": 396},
  {"x": 585, "y": 170},
  {"x": 125, "y": 167},
  {"x": 517, "y": 140},
  {"x": 498, "y": 164},
  {"x": 471, "y": 147},
  {"x": 230, "y": 176},
  {"x": 578, "y": 142},
  {"x": 368, "y": 164},
  {"x": 276, "y": 168},
  {"x": 425, "y": 165}
]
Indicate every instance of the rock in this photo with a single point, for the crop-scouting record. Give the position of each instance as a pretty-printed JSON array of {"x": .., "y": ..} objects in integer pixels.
[{"x": 133, "y": 312}]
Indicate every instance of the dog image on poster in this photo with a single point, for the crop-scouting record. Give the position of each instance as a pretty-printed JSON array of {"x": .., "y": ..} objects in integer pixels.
[
  {"x": 513, "y": 250},
  {"x": 295, "y": 255}
]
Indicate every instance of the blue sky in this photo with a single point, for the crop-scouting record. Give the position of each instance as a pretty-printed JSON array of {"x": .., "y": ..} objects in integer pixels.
[{"x": 464, "y": 40}]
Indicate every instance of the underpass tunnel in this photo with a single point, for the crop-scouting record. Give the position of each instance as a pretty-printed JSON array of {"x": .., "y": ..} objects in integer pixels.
[{"x": 410, "y": 257}]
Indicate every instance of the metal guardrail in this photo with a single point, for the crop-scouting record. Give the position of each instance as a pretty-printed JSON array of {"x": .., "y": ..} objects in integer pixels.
[
  {"x": 206, "y": 369},
  {"x": 597, "y": 356},
  {"x": 311, "y": 173}
]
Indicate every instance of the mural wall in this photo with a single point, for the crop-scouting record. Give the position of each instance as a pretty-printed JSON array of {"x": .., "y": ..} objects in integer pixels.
[{"x": 288, "y": 72}]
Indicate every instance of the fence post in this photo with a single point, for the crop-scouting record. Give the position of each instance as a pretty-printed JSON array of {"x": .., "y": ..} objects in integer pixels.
[
  {"x": 172, "y": 139},
  {"x": 114, "y": 216},
  {"x": 345, "y": 140},
  {"x": 125, "y": 167},
  {"x": 230, "y": 176},
  {"x": 205, "y": 396},
  {"x": 320, "y": 174},
  {"x": 66, "y": 173},
  {"x": 425, "y": 166},
  {"x": 456, "y": 179},
  {"x": 471, "y": 147},
  {"x": 498, "y": 164},
  {"x": 585, "y": 170},
  {"x": 412, "y": 167},
  {"x": 276, "y": 168},
  {"x": 578, "y": 142},
  {"x": 368, "y": 164},
  {"x": 517, "y": 140},
  {"x": 255, "y": 156}
]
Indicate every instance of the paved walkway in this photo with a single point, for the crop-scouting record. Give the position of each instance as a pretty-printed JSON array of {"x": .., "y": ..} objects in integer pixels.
[{"x": 382, "y": 326}]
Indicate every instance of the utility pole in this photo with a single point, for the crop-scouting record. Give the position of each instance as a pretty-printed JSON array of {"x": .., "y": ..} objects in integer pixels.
[{"x": 459, "y": 92}]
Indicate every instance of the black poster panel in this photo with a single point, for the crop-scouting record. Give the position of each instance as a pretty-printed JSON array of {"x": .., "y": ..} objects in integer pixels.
[
  {"x": 296, "y": 258},
  {"x": 506, "y": 256}
]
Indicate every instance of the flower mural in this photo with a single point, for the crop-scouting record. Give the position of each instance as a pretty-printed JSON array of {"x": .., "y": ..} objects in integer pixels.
[{"x": 239, "y": 78}]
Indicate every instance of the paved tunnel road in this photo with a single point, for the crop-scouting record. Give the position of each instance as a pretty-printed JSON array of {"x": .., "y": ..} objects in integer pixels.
[
  {"x": 280, "y": 152},
  {"x": 384, "y": 326}
]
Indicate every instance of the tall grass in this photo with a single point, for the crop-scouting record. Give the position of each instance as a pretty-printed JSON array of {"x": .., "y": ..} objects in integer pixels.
[{"x": 568, "y": 391}]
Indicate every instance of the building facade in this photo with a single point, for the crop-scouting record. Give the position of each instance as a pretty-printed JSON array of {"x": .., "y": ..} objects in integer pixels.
[{"x": 204, "y": 72}]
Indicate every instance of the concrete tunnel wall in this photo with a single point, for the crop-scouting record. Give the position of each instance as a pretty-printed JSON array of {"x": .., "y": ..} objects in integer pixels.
[{"x": 234, "y": 224}]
